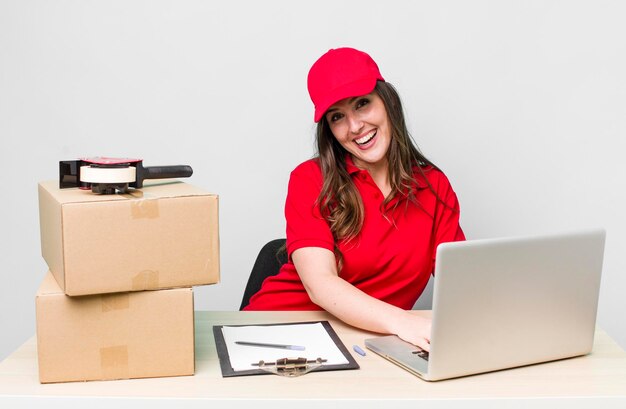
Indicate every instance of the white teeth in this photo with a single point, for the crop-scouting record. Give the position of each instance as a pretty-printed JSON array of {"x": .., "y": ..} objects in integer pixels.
[{"x": 366, "y": 138}]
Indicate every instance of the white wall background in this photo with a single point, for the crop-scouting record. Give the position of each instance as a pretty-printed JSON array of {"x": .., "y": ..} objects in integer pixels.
[{"x": 522, "y": 103}]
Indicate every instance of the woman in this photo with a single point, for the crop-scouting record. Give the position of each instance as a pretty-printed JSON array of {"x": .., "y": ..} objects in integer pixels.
[{"x": 365, "y": 216}]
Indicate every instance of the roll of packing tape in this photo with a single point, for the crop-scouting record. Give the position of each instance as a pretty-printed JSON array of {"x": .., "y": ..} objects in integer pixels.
[{"x": 107, "y": 175}]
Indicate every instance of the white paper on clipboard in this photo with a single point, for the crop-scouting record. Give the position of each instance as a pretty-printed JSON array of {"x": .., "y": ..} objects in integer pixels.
[{"x": 312, "y": 336}]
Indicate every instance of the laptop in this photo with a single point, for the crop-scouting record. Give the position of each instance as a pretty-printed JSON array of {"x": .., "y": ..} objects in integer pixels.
[{"x": 504, "y": 303}]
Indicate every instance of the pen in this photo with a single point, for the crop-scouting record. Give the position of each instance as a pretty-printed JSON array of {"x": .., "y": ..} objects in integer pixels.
[
  {"x": 262, "y": 344},
  {"x": 358, "y": 350}
]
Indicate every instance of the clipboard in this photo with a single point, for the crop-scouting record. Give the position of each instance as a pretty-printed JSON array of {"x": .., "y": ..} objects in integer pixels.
[{"x": 227, "y": 367}]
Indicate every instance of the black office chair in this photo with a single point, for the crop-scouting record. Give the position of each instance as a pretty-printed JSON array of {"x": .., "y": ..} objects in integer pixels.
[{"x": 269, "y": 261}]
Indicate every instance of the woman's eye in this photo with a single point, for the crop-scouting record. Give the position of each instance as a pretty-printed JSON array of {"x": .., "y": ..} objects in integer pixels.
[
  {"x": 335, "y": 117},
  {"x": 362, "y": 102}
]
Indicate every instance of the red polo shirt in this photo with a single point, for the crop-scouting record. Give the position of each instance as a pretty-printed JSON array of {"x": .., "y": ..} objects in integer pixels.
[{"x": 392, "y": 257}]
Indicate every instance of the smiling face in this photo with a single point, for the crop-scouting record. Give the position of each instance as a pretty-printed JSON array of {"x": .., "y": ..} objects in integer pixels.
[{"x": 361, "y": 126}]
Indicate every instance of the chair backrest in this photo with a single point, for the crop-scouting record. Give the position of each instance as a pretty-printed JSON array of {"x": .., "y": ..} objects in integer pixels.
[{"x": 269, "y": 261}]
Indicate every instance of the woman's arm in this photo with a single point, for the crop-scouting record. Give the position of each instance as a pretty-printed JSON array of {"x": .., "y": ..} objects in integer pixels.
[{"x": 318, "y": 271}]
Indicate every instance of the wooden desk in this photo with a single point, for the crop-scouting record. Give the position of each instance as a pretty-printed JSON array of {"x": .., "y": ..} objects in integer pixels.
[{"x": 597, "y": 380}]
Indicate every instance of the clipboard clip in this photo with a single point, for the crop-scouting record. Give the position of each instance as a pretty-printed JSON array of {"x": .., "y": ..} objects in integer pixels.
[{"x": 290, "y": 367}]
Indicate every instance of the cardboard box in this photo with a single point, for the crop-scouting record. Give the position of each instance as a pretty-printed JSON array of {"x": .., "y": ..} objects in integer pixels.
[
  {"x": 113, "y": 336},
  {"x": 162, "y": 236}
]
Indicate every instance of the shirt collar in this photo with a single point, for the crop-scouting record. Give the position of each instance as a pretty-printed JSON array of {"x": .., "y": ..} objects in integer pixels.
[
  {"x": 350, "y": 166},
  {"x": 419, "y": 182}
]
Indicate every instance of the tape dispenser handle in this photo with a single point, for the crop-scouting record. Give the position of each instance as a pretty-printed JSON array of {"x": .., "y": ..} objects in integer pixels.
[{"x": 161, "y": 172}]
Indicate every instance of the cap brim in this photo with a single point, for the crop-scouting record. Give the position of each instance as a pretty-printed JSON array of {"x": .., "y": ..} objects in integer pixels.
[{"x": 354, "y": 89}]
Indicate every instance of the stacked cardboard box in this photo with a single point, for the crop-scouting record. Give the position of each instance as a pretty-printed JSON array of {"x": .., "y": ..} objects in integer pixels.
[{"x": 117, "y": 302}]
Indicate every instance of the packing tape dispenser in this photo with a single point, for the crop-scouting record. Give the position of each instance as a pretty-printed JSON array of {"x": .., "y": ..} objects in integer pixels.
[{"x": 108, "y": 175}]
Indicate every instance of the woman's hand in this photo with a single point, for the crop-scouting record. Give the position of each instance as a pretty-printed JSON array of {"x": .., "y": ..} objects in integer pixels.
[{"x": 414, "y": 329}]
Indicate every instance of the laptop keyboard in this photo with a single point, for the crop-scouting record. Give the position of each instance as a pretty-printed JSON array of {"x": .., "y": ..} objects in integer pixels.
[{"x": 422, "y": 354}]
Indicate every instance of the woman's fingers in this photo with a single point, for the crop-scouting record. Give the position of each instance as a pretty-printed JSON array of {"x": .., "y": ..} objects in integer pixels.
[{"x": 424, "y": 344}]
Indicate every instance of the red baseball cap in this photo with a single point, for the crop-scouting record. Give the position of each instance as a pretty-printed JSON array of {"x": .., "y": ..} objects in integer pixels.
[{"x": 338, "y": 74}]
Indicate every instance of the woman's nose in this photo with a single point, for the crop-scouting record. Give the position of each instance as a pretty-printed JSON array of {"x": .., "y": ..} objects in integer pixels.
[{"x": 356, "y": 124}]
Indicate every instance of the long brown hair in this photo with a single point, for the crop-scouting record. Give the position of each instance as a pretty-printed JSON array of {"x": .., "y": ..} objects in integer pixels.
[{"x": 339, "y": 201}]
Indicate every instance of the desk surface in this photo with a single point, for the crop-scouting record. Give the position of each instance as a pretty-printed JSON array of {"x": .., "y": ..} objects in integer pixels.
[{"x": 598, "y": 378}]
